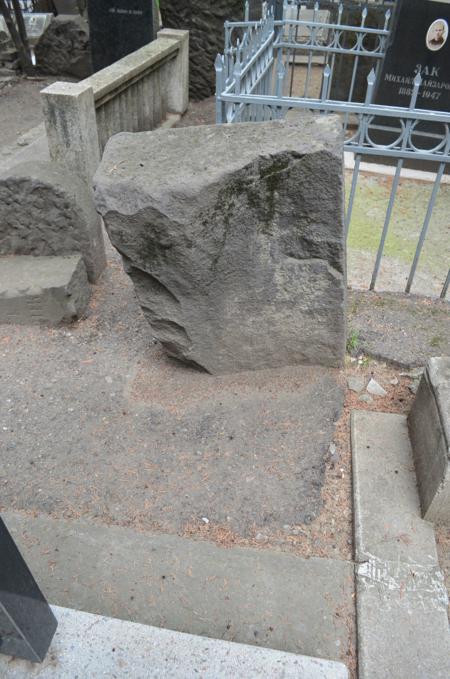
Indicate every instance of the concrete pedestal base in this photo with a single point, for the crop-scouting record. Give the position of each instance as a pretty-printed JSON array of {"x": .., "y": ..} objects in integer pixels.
[{"x": 42, "y": 290}]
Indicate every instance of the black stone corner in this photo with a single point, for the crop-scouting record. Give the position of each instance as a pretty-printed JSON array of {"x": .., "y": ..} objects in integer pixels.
[{"x": 27, "y": 624}]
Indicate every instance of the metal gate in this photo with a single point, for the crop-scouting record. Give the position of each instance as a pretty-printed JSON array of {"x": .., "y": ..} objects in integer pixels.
[{"x": 256, "y": 81}]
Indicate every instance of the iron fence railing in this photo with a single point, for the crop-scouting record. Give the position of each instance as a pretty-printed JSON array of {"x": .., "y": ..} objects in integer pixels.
[{"x": 254, "y": 83}]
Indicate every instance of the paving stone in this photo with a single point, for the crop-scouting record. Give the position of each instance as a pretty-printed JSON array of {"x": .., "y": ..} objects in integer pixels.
[
  {"x": 356, "y": 383},
  {"x": 429, "y": 424},
  {"x": 251, "y": 596},
  {"x": 235, "y": 262},
  {"x": 89, "y": 646},
  {"x": 401, "y": 598},
  {"x": 42, "y": 290},
  {"x": 375, "y": 388}
]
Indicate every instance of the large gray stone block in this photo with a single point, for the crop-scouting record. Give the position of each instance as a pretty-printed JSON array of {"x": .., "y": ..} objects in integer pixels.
[
  {"x": 234, "y": 239},
  {"x": 42, "y": 290},
  {"x": 429, "y": 426},
  {"x": 44, "y": 211}
]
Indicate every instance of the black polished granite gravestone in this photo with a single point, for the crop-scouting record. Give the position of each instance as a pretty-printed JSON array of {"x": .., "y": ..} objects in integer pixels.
[
  {"x": 27, "y": 624},
  {"x": 344, "y": 63},
  {"x": 420, "y": 44},
  {"x": 117, "y": 28}
]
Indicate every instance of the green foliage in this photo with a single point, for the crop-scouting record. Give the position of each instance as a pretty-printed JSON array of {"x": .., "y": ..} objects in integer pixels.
[{"x": 353, "y": 341}]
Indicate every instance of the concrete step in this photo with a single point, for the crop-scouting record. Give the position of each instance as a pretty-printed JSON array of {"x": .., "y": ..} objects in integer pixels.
[
  {"x": 90, "y": 646},
  {"x": 42, "y": 290},
  {"x": 252, "y": 596},
  {"x": 403, "y": 629}
]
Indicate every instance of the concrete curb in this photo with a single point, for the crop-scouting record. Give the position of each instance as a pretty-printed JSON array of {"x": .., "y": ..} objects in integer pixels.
[{"x": 401, "y": 598}]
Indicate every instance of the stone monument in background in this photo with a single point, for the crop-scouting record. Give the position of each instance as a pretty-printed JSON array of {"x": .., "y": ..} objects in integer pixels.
[{"x": 117, "y": 28}]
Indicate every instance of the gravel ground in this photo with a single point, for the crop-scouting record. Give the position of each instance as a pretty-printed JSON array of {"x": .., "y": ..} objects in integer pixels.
[
  {"x": 108, "y": 428},
  {"x": 20, "y": 106},
  {"x": 405, "y": 330}
]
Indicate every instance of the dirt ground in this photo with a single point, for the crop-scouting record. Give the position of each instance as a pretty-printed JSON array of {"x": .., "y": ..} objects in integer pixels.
[{"x": 20, "y": 106}]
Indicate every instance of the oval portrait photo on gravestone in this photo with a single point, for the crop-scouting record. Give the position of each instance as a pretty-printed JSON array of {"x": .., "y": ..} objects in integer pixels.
[{"x": 437, "y": 35}]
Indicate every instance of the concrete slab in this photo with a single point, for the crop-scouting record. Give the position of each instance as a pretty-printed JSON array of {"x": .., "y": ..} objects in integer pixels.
[
  {"x": 91, "y": 646},
  {"x": 388, "y": 524},
  {"x": 42, "y": 290},
  {"x": 251, "y": 596},
  {"x": 429, "y": 425},
  {"x": 401, "y": 599}
]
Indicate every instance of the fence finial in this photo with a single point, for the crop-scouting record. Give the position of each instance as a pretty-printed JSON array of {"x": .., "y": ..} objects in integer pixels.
[
  {"x": 325, "y": 82},
  {"x": 371, "y": 79},
  {"x": 417, "y": 83}
]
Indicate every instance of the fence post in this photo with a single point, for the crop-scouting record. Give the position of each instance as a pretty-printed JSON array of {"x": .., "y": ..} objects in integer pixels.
[
  {"x": 220, "y": 84},
  {"x": 177, "y": 82},
  {"x": 71, "y": 125}
]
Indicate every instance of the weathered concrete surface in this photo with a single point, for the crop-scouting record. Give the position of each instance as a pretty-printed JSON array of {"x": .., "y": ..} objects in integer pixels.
[
  {"x": 429, "y": 425},
  {"x": 47, "y": 290},
  {"x": 204, "y": 20},
  {"x": 45, "y": 211},
  {"x": 236, "y": 263},
  {"x": 71, "y": 127},
  {"x": 401, "y": 598},
  {"x": 64, "y": 48},
  {"x": 246, "y": 595},
  {"x": 87, "y": 645}
]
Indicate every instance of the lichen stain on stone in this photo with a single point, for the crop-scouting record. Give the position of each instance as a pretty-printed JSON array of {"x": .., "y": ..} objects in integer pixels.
[{"x": 259, "y": 184}]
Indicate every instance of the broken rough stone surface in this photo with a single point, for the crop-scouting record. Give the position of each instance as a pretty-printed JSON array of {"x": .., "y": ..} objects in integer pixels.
[
  {"x": 64, "y": 47},
  {"x": 429, "y": 426},
  {"x": 47, "y": 211},
  {"x": 233, "y": 237},
  {"x": 204, "y": 20},
  {"x": 376, "y": 389},
  {"x": 42, "y": 290}
]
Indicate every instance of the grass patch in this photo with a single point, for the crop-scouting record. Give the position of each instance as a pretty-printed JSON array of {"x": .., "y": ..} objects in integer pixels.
[{"x": 353, "y": 341}]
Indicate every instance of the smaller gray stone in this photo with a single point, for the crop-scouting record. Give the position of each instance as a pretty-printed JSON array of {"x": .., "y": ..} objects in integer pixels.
[
  {"x": 42, "y": 290},
  {"x": 394, "y": 381},
  {"x": 413, "y": 387},
  {"x": 356, "y": 383},
  {"x": 376, "y": 389},
  {"x": 365, "y": 398},
  {"x": 334, "y": 455},
  {"x": 46, "y": 211}
]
